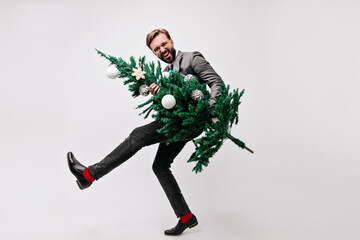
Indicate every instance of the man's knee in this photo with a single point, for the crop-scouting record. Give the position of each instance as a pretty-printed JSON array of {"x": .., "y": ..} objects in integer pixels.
[
  {"x": 160, "y": 169},
  {"x": 136, "y": 133},
  {"x": 136, "y": 138},
  {"x": 144, "y": 136},
  {"x": 156, "y": 168}
]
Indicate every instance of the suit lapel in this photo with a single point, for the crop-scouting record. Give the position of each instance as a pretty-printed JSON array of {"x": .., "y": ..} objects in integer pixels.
[{"x": 178, "y": 61}]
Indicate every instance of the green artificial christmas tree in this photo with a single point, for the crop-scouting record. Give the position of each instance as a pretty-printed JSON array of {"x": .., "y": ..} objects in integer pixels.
[{"x": 181, "y": 106}]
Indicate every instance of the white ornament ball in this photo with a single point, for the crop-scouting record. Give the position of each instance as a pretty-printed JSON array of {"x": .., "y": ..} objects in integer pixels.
[
  {"x": 168, "y": 101},
  {"x": 112, "y": 72}
]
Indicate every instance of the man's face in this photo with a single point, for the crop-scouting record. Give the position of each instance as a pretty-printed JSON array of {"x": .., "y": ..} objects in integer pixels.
[{"x": 163, "y": 48}]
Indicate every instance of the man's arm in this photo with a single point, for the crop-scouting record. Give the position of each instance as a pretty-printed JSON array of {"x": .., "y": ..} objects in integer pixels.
[{"x": 207, "y": 74}]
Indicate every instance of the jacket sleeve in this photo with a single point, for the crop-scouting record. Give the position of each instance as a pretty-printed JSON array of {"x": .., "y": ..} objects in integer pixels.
[{"x": 207, "y": 75}]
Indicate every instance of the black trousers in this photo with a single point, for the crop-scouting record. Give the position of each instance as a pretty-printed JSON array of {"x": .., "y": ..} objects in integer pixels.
[{"x": 144, "y": 136}]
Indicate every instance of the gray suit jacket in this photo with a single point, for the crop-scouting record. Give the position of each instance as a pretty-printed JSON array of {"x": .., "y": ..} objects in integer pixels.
[{"x": 194, "y": 63}]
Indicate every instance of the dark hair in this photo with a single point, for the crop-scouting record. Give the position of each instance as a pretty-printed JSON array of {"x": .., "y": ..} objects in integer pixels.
[{"x": 154, "y": 33}]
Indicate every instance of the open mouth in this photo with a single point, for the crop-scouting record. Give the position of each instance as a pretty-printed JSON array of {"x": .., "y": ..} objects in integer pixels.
[{"x": 166, "y": 55}]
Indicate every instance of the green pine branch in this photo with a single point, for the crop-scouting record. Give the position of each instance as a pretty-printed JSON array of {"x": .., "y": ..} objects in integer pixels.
[{"x": 188, "y": 117}]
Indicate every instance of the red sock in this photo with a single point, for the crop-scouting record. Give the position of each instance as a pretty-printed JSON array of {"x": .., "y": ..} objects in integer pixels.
[
  {"x": 186, "y": 217},
  {"x": 88, "y": 176}
]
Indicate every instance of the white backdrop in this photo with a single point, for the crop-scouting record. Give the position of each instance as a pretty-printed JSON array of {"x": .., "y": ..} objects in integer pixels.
[{"x": 298, "y": 61}]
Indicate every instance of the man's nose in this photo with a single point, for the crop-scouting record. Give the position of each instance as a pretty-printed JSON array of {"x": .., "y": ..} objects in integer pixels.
[{"x": 162, "y": 49}]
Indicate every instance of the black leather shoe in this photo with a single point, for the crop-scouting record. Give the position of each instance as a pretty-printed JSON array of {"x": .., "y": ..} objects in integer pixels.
[
  {"x": 180, "y": 227},
  {"x": 77, "y": 170}
]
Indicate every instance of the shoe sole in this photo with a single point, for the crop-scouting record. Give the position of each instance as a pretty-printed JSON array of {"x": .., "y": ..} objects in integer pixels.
[
  {"x": 193, "y": 225},
  {"x": 79, "y": 185},
  {"x": 77, "y": 181},
  {"x": 167, "y": 234}
]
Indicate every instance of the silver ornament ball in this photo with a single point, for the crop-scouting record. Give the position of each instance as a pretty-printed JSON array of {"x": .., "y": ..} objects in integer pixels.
[
  {"x": 197, "y": 94},
  {"x": 144, "y": 90},
  {"x": 188, "y": 77}
]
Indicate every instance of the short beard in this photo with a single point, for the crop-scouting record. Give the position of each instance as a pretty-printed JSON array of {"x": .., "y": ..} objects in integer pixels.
[{"x": 172, "y": 52}]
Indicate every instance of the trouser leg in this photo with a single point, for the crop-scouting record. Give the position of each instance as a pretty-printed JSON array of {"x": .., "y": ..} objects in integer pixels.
[
  {"x": 161, "y": 167},
  {"x": 138, "y": 138}
]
